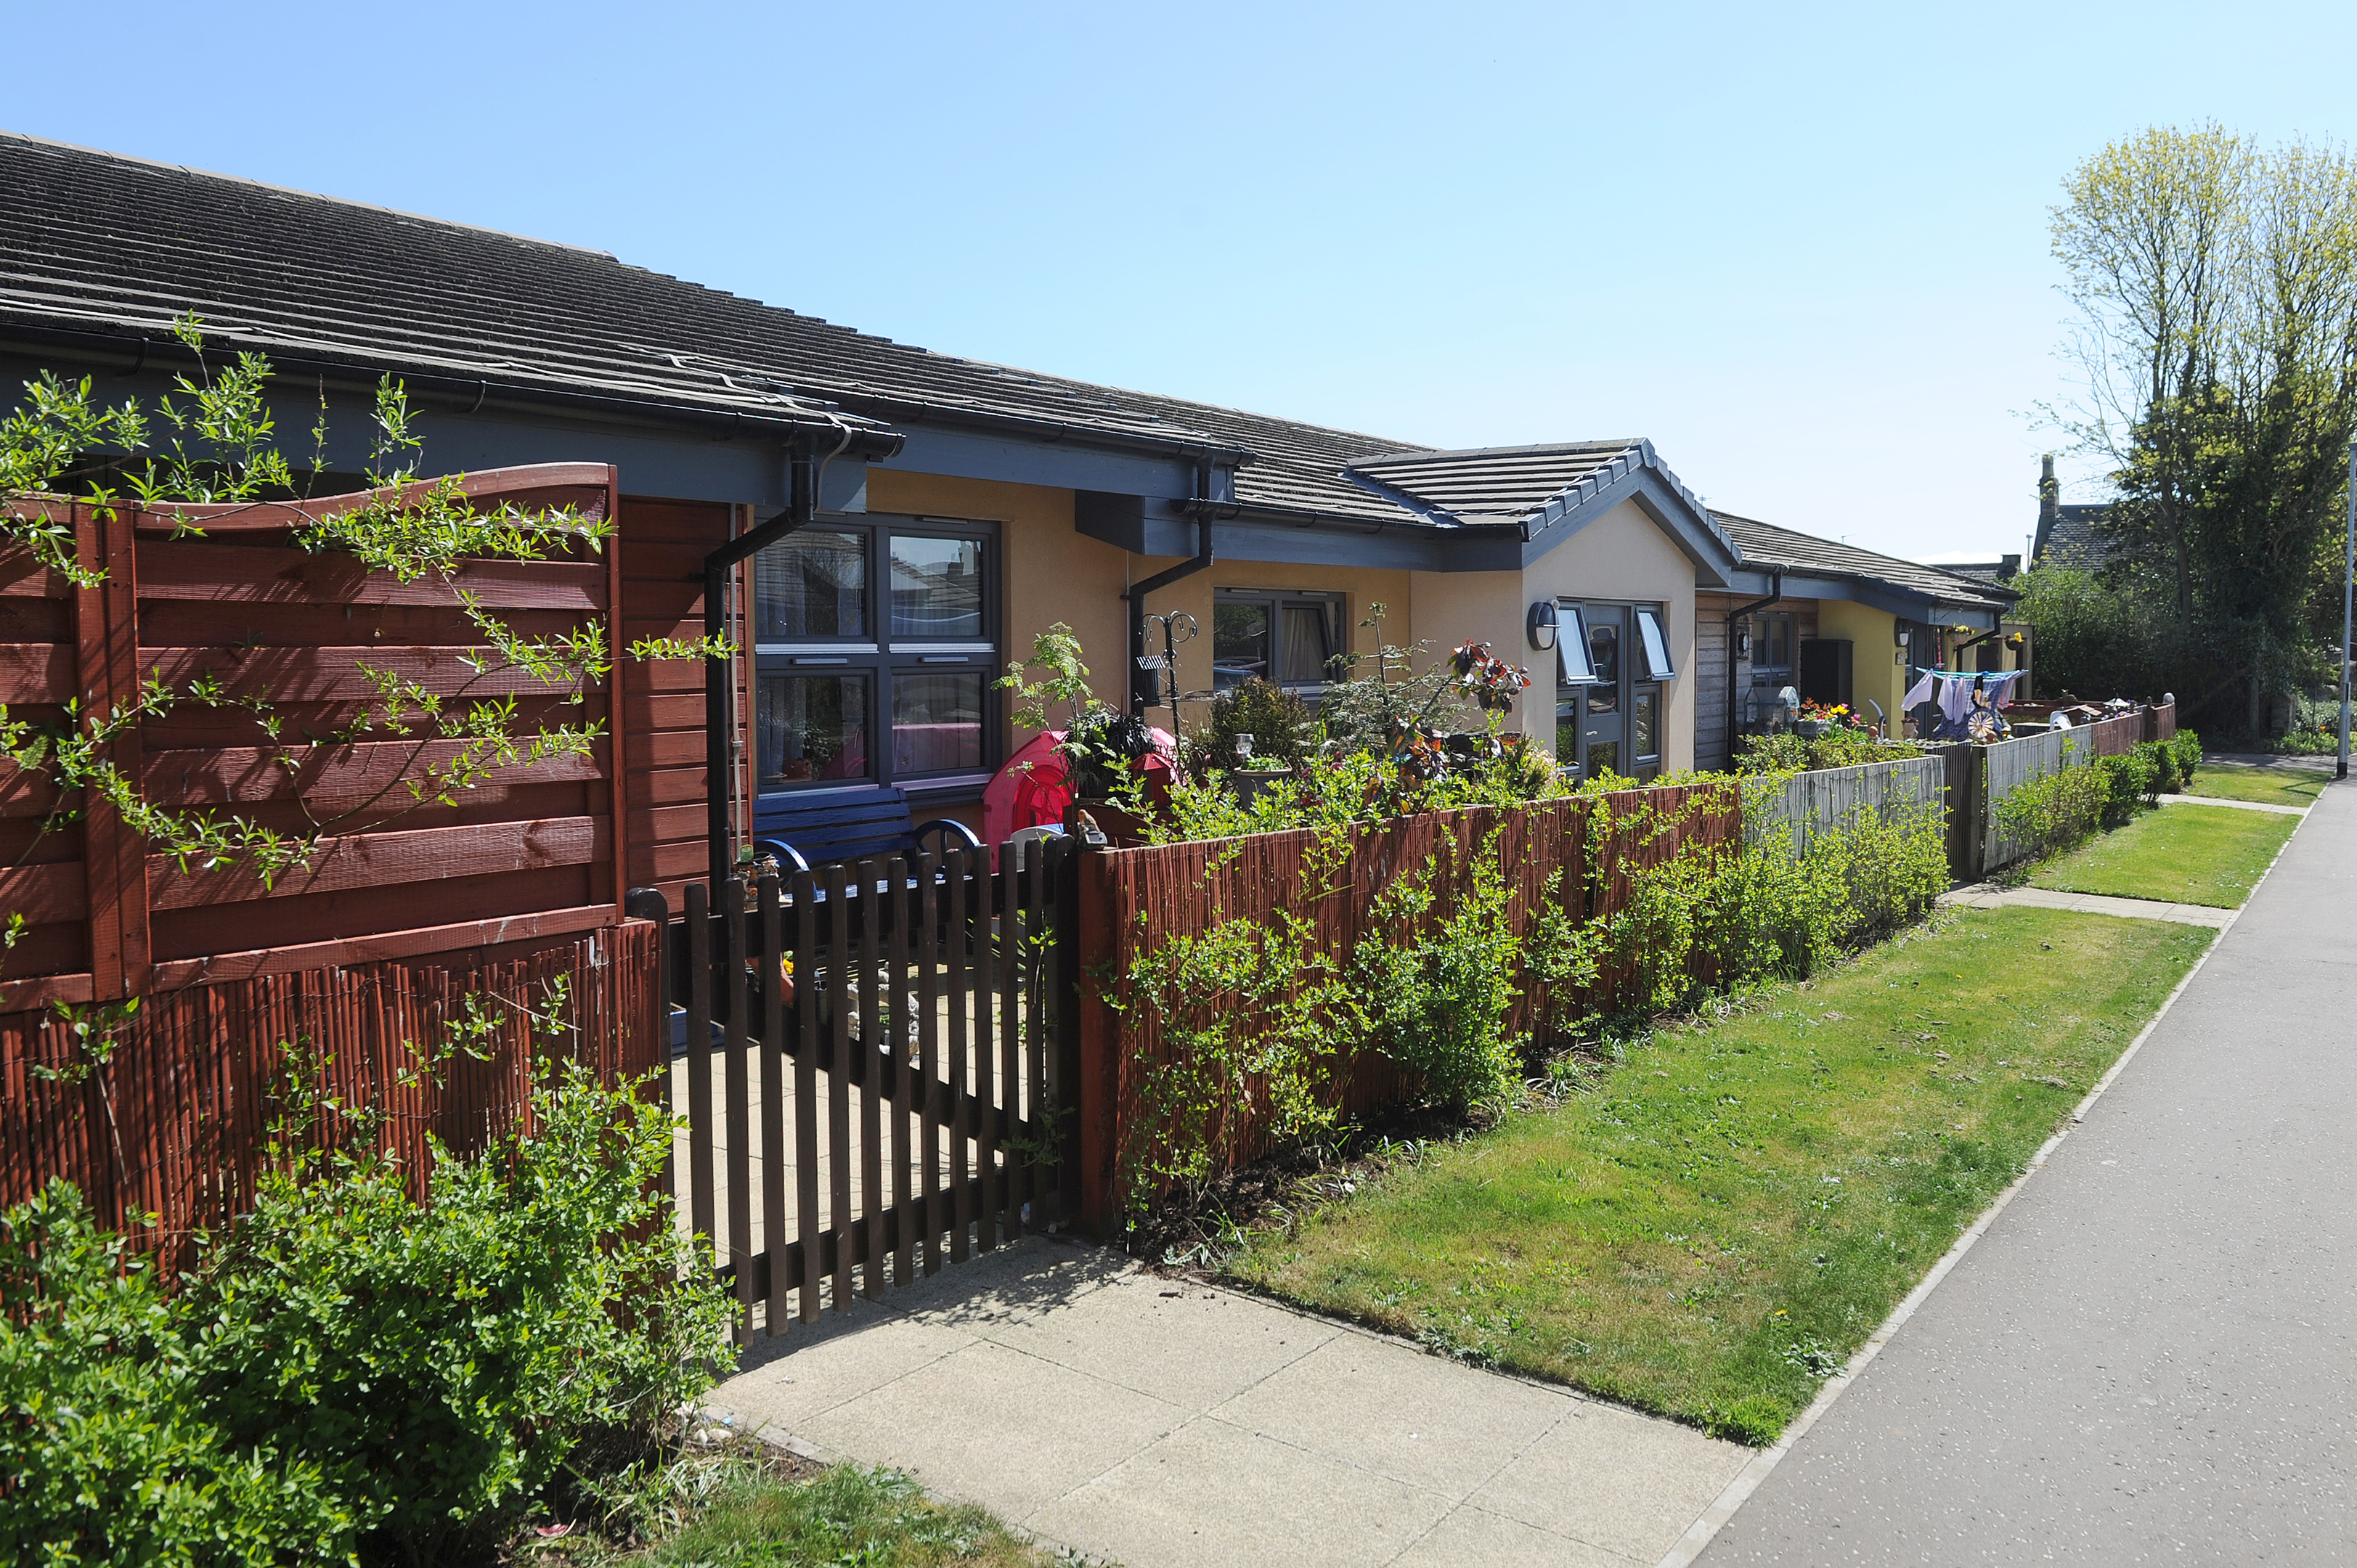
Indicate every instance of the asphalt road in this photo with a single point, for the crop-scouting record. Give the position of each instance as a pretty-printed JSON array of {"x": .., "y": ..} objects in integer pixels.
[{"x": 2152, "y": 1354}]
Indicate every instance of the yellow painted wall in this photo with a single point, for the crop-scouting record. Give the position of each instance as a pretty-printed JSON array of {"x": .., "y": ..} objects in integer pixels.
[
  {"x": 1877, "y": 665},
  {"x": 1051, "y": 572}
]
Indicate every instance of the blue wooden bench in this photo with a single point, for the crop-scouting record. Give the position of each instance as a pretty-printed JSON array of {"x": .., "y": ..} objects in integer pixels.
[{"x": 820, "y": 826}]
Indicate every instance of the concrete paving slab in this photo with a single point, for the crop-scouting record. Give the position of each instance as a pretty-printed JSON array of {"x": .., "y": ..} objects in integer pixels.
[
  {"x": 1384, "y": 1407},
  {"x": 1615, "y": 1479},
  {"x": 1193, "y": 1346},
  {"x": 1984, "y": 896},
  {"x": 1066, "y": 1390},
  {"x": 2236, "y": 805},
  {"x": 1476, "y": 1538},
  {"x": 1213, "y": 1494},
  {"x": 992, "y": 1423}
]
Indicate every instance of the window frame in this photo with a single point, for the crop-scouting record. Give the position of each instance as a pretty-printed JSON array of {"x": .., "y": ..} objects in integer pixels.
[
  {"x": 1652, "y": 635},
  {"x": 1335, "y": 606},
  {"x": 883, "y": 658},
  {"x": 1761, "y": 669}
]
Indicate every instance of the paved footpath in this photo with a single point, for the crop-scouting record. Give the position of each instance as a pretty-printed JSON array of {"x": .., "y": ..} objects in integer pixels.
[
  {"x": 1161, "y": 1423},
  {"x": 2151, "y": 1355}
]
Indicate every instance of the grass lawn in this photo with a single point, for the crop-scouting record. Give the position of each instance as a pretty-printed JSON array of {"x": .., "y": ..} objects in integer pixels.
[
  {"x": 2269, "y": 786},
  {"x": 2187, "y": 855},
  {"x": 1710, "y": 1227}
]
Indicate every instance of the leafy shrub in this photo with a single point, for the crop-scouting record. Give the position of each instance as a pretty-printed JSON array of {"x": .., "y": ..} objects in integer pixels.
[
  {"x": 354, "y": 1370},
  {"x": 2185, "y": 751},
  {"x": 2052, "y": 813},
  {"x": 2129, "y": 781},
  {"x": 109, "y": 1450},
  {"x": 1841, "y": 746},
  {"x": 1283, "y": 729},
  {"x": 1438, "y": 993}
]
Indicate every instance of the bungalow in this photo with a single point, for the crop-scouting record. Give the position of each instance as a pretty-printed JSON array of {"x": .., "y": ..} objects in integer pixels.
[{"x": 885, "y": 526}]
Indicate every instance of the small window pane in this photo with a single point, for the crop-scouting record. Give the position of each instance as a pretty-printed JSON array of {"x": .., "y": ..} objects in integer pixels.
[
  {"x": 1603, "y": 757},
  {"x": 1645, "y": 724},
  {"x": 1604, "y": 658},
  {"x": 1571, "y": 647},
  {"x": 1656, "y": 646},
  {"x": 1566, "y": 733},
  {"x": 812, "y": 727},
  {"x": 936, "y": 588},
  {"x": 936, "y": 721},
  {"x": 811, "y": 584},
  {"x": 1306, "y": 647},
  {"x": 1240, "y": 636}
]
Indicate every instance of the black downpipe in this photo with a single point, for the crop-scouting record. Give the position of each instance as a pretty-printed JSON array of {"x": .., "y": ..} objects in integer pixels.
[
  {"x": 719, "y": 720},
  {"x": 1775, "y": 593},
  {"x": 1143, "y": 691}
]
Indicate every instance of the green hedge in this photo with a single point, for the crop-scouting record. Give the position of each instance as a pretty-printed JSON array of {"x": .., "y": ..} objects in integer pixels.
[{"x": 354, "y": 1376}]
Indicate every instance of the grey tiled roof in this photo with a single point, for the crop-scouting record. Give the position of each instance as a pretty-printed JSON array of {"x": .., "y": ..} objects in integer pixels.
[
  {"x": 1766, "y": 546},
  {"x": 2070, "y": 539},
  {"x": 118, "y": 245}
]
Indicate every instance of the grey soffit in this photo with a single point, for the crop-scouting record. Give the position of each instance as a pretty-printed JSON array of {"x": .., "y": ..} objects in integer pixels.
[
  {"x": 94, "y": 242},
  {"x": 1768, "y": 549}
]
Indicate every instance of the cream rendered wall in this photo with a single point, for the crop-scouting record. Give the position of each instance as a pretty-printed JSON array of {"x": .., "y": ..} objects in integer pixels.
[
  {"x": 1449, "y": 608},
  {"x": 1361, "y": 587},
  {"x": 1621, "y": 555},
  {"x": 1877, "y": 665}
]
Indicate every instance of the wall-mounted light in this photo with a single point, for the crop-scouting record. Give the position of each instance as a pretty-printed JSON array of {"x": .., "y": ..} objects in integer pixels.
[
  {"x": 1743, "y": 643},
  {"x": 1543, "y": 624},
  {"x": 1899, "y": 629}
]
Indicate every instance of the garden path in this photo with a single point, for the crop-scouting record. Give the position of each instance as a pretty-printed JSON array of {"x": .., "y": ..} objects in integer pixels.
[
  {"x": 1165, "y": 1423},
  {"x": 2237, "y": 805},
  {"x": 1988, "y": 896},
  {"x": 2151, "y": 1352}
]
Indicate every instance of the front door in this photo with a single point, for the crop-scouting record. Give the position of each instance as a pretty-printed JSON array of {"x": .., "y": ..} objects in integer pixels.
[{"x": 1604, "y": 707}]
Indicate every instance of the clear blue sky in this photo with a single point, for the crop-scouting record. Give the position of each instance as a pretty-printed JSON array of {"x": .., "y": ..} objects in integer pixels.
[{"x": 1802, "y": 248}]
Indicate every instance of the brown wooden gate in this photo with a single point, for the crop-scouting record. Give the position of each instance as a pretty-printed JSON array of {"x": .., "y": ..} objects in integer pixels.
[{"x": 905, "y": 1102}]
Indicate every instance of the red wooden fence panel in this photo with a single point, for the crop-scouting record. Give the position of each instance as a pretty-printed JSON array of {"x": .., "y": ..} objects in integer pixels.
[{"x": 537, "y": 852}]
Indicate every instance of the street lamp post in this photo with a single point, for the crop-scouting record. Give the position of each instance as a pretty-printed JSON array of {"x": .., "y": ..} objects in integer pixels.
[{"x": 2348, "y": 589}]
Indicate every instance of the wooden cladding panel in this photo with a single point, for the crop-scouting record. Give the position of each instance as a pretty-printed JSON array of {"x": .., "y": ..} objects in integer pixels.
[{"x": 661, "y": 553}]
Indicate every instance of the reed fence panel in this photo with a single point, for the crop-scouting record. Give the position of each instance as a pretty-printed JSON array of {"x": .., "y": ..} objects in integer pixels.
[
  {"x": 176, "y": 1122},
  {"x": 1134, "y": 901}
]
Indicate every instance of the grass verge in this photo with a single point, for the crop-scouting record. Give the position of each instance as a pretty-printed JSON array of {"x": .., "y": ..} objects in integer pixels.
[
  {"x": 2186, "y": 855},
  {"x": 2268, "y": 786},
  {"x": 748, "y": 1506},
  {"x": 1709, "y": 1225}
]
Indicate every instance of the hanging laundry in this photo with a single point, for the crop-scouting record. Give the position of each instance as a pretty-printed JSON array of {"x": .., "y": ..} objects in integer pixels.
[{"x": 1966, "y": 703}]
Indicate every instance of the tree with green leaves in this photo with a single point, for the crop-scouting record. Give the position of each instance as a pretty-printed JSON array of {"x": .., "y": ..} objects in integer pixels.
[{"x": 2215, "y": 283}]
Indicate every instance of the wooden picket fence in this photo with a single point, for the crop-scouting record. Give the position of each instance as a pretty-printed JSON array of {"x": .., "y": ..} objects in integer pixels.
[
  {"x": 1809, "y": 804},
  {"x": 902, "y": 1104}
]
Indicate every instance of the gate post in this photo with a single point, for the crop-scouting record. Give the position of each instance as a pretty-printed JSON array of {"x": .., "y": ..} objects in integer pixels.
[{"x": 1097, "y": 952}]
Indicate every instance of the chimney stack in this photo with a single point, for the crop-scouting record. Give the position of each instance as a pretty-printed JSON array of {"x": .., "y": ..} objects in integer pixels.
[
  {"x": 2009, "y": 567},
  {"x": 2050, "y": 506}
]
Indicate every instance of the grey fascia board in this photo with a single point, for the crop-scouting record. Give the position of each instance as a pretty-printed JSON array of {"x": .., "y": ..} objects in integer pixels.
[
  {"x": 1754, "y": 580},
  {"x": 1637, "y": 476},
  {"x": 973, "y": 454}
]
